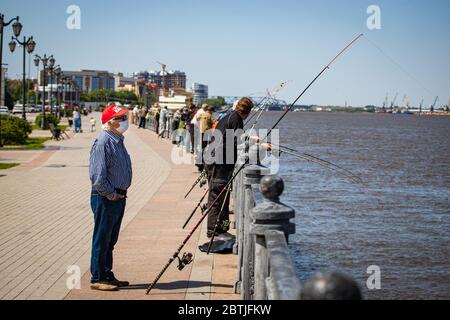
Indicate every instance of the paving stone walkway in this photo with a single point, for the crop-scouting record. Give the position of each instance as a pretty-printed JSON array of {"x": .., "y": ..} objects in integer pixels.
[{"x": 46, "y": 225}]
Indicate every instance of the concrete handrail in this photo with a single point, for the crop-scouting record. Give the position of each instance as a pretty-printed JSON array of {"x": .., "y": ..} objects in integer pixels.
[{"x": 265, "y": 266}]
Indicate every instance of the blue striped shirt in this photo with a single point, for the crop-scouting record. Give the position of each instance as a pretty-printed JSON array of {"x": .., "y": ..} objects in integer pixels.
[{"x": 109, "y": 165}]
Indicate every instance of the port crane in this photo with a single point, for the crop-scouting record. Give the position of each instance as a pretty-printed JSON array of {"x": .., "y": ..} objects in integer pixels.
[
  {"x": 391, "y": 108},
  {"x": 385, "y": 103},
  {"x": 434, "y": 104}
]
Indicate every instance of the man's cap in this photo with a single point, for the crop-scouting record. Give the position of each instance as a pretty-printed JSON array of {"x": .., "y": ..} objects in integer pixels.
[
  {"x": 112, "y": 111},
  {"x": 205, "y": 106}
]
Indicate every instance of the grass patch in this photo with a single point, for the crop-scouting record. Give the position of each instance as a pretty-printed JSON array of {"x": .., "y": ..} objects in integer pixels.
[
  {"x": 4, "y": 166},
  {"x": 61, "y": 126},
  {"x": 30, "y": 144}
]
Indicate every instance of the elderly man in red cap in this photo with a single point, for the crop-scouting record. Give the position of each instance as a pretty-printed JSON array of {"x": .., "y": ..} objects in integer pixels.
[{"x": 110, "y": 174}]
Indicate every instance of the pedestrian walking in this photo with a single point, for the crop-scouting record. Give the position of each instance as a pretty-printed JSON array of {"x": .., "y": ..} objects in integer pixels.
[
  {"x": 76, "y": 120},
  {"x": 110, "y": 174},
  {"x": 93, "y": 124},
  {"x": 162, "y": 121}
]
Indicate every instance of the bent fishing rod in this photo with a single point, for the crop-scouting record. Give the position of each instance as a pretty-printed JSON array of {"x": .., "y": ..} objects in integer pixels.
[
  {"x": 177, "y": 252},
  {"x": 283, "y": 115}
]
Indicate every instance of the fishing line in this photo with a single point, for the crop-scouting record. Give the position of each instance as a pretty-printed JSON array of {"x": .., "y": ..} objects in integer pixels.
[{"x": 397, "y": 64}]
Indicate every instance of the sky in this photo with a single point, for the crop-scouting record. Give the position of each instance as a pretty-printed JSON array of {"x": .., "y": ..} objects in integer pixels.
[{"x": 244, "y": 47}]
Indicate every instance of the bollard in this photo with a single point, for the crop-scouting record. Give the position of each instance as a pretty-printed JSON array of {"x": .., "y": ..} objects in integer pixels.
[{"x": 270, "y": 215}]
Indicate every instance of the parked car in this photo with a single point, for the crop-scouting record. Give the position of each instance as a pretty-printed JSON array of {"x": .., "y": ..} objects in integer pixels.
[
  {"x": 30, "y": 108},
  {"x": 18, "y": 108},
  {"x": 4, "y": 111}
]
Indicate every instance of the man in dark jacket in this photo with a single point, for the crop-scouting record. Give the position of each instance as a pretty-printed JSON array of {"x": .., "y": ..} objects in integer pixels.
[{"x": 221, "y": 171}]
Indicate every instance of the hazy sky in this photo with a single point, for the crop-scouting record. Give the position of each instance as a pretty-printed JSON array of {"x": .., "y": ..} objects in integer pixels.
[{"x": 243, "y": 47}]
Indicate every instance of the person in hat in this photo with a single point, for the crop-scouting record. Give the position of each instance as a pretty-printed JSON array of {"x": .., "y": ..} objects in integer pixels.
[
  {"x": 205, "y": 122},
  {"x": 110, "y": 173}
]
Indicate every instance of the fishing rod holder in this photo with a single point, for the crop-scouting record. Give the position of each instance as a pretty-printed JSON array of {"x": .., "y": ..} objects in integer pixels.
[{"x": 186, "y": 259}]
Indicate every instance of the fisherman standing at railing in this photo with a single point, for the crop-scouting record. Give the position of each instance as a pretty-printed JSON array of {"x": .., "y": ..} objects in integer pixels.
[
  {"x": 110, "y": 173},
  {"x": 220, "y": 171}
]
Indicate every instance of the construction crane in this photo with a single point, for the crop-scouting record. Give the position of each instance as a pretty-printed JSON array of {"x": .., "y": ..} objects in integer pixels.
[
  {"x": 163, "y": 76},
  {"x": 434, "y": 104}
]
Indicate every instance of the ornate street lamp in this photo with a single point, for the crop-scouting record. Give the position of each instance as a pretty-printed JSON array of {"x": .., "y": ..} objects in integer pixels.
[
  {"x": 45, "y": 62},
  {"x": 28, "y": 46},
  {"x": 17, "y": 28}
]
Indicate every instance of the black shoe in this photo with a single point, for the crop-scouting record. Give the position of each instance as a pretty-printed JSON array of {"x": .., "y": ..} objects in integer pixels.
[{"x": 119, "y": 283}]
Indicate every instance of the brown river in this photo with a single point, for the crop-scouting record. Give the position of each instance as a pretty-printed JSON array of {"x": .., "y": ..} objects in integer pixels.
[{"x": 399, "y": 220}]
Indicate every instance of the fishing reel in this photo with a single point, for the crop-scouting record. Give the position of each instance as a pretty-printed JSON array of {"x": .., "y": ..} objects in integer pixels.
[
  {"x": 225, "y": 224},
  {"x": 185, "y": 260},
  {"x": 204, "y": 207},
  {"x": 203, "y": 181}
]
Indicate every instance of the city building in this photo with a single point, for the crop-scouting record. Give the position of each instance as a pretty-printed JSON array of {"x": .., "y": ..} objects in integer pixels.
[
  {"x": 172, "y": 79},
  {"x": 199, "y": 93},
  {"x": 126, "y": 84},
  {"x": 88, "y": 80},
  {"x": 175, "y": 99}
]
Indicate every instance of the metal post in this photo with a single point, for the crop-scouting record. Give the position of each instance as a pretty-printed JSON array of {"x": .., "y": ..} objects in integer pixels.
[
  {"x": 51, "y": 90},
  {"x": 24, "y": 45},
  {"x": 43, "y": 98}
]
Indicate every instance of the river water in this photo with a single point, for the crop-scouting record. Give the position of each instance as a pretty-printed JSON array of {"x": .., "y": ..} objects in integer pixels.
[{"x": 399, "y": 220}]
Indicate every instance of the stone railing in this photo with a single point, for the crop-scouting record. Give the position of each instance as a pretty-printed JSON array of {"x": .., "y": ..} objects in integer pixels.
[{"x": 263, "y": 226}]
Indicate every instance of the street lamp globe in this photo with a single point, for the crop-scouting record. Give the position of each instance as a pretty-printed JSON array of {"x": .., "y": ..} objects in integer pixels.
[
  {"x": 12, "y": 45},
  {"x": 36, "y": 61},
  {"x": 31, "y": 45},
  {"x": 17, "y": 28},
  {"x": 51, "y": 62}
]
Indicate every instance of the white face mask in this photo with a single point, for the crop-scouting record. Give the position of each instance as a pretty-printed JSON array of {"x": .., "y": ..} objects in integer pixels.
[{"x": 123, "y": 126}]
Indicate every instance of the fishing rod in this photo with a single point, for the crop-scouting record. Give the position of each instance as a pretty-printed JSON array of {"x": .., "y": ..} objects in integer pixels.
[
  {"x": 325, "y": 163},
  {"x": 274, "y": 91},
  {"x": 177, "y": 252},
  {"x": 200, "y": 177},
  {"x": 269, "y": 95},
  {"x": 289, "y": 108},
  {"x": 198, "y": 206}
]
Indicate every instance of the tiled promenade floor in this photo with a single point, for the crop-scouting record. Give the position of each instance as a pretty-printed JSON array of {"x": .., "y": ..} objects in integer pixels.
[{"x": 46, "y": 225}]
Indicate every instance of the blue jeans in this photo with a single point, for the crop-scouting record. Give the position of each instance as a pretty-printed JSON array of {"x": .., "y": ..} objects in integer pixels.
[{"x": 107, "y": 218}]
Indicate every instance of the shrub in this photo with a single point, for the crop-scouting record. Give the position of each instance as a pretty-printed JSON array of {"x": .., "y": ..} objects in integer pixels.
[
  {"x": 15, "y": 130},
  {"x": 50, "y": 118}
]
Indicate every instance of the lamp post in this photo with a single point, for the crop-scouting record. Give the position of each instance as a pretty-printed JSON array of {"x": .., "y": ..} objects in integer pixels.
[
  {"x": 52, "y": 70},
  {"x": 64, "y": 82},
  {"x": 28, "y": 46},
  {"x": 45, "y": 61},
  {"x": 17, "y": 28}
]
